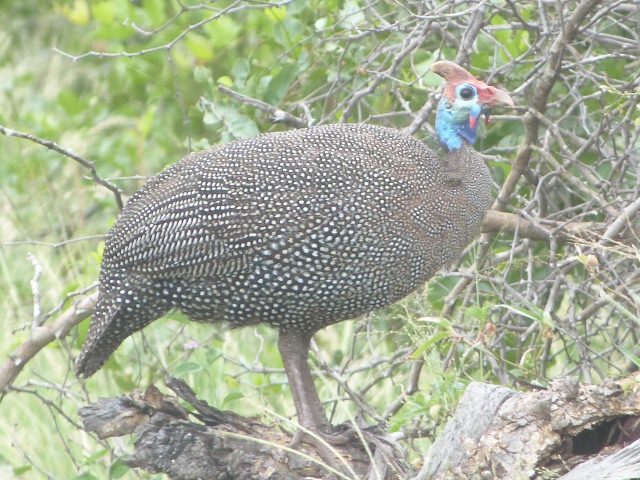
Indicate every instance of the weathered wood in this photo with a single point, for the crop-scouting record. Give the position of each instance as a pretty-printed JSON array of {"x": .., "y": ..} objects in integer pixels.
[
  {"x": 497, "y": 433},
  {"x": 227, "y": 446},
  {"x": 474, "y": 414},
  {"x": 623, "y": 465}
]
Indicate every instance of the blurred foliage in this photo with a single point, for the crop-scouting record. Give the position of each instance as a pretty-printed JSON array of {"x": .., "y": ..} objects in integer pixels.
[{"x": 132, "y": 85}]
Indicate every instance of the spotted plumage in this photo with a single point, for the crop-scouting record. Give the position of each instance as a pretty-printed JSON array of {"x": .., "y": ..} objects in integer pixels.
[{"x": 298, "y": 230}]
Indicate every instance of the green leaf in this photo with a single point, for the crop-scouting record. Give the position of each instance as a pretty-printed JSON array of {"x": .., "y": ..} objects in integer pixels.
[
  {"x": 200, "y": 47},
  {"x": 476, "y": 312},
  {"x": 321, "y": 23},
  {"x": 222, "y": 32},
  {"x": 212, "y": 354},
  {"x": 85, "y": 476},
  {"x": 533, "y": 312},
  {"x": 276, "y": 14},
  {"x": 118, "y": 469},
  {"x": 629, "y": 356},
  {"x": 146, "y": 121},
  {"x": 240, "y": 71},
  {"x": 278, "y": 86},
  {"x": 91, "y": 459},
  {"x": 429, "y": 343},
  {"x": 240, "y": 126},
  {"x": 232, "y": 397},
  {"x": 439, "y": 321},
  {"x": 352, "y": 14},
  {"x": 226, "y": 81},
  {"x": 77, "y": 13},
  {"x": 232, "y": 383},
  {"x": 21, "y": 469},
  {"x": 71, "y": 102},
  {"x": 187, "y": 368},
  {"x": 104, "y": 12},
  {"x": 202, "y": 74},
  {"x": 280, "y": 35}
]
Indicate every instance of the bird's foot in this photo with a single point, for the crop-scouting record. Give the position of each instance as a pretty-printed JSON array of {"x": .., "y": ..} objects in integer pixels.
[
  {"x": 325, "y": 435},
  {"x": 340, "y": 434},
  {"x": 327, "y": 442},
  {"x": 334, "y": 444}
]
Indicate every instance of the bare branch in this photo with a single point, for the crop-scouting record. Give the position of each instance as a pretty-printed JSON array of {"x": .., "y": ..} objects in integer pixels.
[
  {"x": 496, "y": 221},
  {"x": 42, "y": 336},
  {"x": 68, "y": 153},
  {"x": 276, "y": 115}
]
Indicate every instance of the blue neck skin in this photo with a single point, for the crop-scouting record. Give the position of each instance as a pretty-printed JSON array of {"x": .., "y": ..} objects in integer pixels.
[{"x": 452, "y": 124}]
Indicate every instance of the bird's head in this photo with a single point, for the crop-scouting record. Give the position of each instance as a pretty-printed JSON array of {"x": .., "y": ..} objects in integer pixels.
[{"x": 464, "y": 99}]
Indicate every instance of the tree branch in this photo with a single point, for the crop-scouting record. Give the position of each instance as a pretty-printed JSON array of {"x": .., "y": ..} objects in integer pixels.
[
  {"x": 276, "y": 115},
  {"x": 542, "y": 229},
  {"x": 68, "y": 153},
  {"x": 42, "y": 336}
]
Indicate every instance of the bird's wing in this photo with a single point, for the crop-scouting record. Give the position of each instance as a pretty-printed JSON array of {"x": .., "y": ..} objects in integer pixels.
[{"x": 174, "y": 225}]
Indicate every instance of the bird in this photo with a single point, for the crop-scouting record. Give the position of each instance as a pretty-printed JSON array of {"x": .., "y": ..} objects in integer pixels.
[{"x": 298, "y": 230}]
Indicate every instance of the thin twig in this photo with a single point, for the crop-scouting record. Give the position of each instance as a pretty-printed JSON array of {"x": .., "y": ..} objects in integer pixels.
[
  {"x": 68, "y": 153},
  {"x": 276, "y": 115}
]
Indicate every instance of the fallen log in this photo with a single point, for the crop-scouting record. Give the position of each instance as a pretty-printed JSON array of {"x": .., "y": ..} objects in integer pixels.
[
  {"x": 498, "y": 433},
  {"x": 584, "y": 432},
  {"x": 223, "y": 445}
]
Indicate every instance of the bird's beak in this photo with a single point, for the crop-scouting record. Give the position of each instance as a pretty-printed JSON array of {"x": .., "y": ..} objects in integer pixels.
[{"x": 490, "y": 97}]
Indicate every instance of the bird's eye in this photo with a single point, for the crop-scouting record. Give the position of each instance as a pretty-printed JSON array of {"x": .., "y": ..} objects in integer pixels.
[{"x": 467, "y": 93}]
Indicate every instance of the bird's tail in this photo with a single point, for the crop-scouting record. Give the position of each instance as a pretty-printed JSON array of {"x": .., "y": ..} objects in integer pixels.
[{"x": 116, "y": 317}]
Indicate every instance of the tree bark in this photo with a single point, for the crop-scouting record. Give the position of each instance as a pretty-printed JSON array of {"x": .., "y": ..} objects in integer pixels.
[
  {"x": 587, "y": 432},
  {"x": 224, "y": 445},
  {"x": 498, "y": 433}
]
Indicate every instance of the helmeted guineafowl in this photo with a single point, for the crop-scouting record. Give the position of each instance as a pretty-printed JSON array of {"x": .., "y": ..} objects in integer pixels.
[{"x": 299, "y": 230}]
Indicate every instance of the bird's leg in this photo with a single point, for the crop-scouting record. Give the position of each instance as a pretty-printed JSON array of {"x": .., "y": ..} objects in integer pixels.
[{"x": 294, "y": 349}]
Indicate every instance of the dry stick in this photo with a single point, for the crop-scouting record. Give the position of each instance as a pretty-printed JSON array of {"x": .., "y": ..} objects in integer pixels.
[
  {"x": 235, "y": 7},
  {"x": 180, "y": 99},
  {"x": 494, "y": 222},
  {"x": 412, "y": 388},
  {"x": 531, "y": 123},
  {"x": 542, "y": 229},
  {"x": 411, "y": 45},
  {"x": 68, "y": 153},
  {"x": 590, "y": 310},
  {"x": 42, "y": 336},
  {"x": 587, "y": 175},
  {"x": 624, "y": 219},
  {"x": 471, "y": 32},
  {"x": 611, "y": 231},
  {"x": 35, "y": 289},
  {"x": 276, "y": 115}
]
